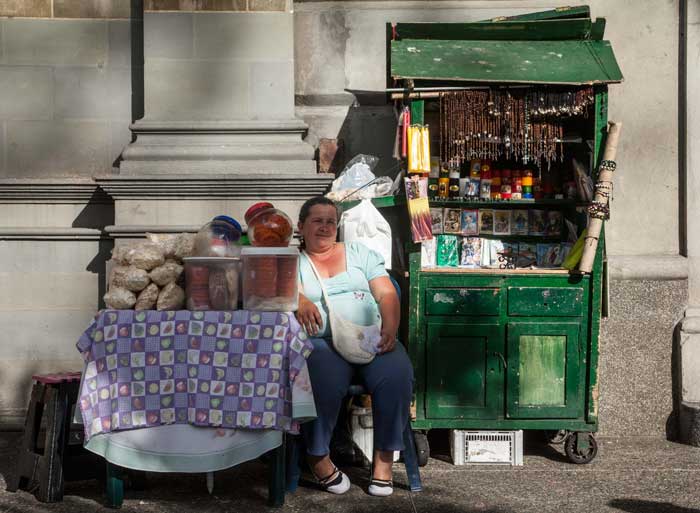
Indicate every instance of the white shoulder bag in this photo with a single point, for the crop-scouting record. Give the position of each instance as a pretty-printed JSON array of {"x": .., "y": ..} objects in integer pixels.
[{"x": 352, "y": 341}]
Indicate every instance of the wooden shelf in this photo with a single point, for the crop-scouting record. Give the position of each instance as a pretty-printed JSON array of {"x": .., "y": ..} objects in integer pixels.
[
  {"x": 462, "y": 270},
  {"x": 460, "y": 203}
]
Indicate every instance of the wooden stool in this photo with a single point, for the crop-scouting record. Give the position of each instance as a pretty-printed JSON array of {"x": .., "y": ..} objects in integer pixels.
[{"x": 40, "y": 468}]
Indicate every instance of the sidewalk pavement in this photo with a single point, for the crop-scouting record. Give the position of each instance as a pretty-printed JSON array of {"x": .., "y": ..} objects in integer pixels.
[{"x": 638, "y": 475}]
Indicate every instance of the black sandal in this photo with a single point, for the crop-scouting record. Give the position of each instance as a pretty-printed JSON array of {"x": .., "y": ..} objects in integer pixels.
[
  {"x": 380, "y": 487},
  {"x": 337, "y": 482}
]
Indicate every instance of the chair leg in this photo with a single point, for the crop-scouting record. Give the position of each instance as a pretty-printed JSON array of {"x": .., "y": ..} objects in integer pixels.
[
  {"x": 410, "y": 459},
  {"x": 51, "y": 465},
  {"x": 276, "y": 482},
  {"x": 26, "y": 460},
  {"x": 294, "y": 462}
]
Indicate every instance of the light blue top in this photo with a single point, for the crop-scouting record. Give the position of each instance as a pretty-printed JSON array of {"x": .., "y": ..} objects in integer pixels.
[{"x": 348, "y": 291}]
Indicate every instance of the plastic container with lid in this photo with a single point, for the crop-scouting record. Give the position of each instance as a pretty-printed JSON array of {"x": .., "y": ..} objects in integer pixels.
[
  {"x": 218, "y": 238},
  {"x": 268, "y": 226},
  {"x": 270, "y": 280},
  {"x": 211, "y": 283}
]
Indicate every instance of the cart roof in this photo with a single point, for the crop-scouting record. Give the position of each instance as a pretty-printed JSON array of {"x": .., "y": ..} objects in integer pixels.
[{"x": 562, "y": 46}]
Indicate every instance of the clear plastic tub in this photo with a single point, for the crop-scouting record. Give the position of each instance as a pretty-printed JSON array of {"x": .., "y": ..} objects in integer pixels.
[
  {"x": 212, "y": 283},
  {"x": 270, "y": 279}
]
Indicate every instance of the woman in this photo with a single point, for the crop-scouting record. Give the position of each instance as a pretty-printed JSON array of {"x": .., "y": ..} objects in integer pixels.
[{"x": 360, "y": 290}]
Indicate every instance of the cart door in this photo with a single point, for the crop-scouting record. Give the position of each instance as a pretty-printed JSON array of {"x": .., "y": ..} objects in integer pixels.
[
  {"x": 543, "y": 370},
  {"x": 464, "y": 371}
]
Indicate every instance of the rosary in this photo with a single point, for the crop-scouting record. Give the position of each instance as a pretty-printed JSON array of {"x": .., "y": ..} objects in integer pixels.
[{"x": 512, "y": 124}]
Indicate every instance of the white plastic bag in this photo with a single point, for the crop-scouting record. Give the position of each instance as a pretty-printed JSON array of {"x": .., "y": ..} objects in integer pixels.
[{"x": 365, "y": 224}]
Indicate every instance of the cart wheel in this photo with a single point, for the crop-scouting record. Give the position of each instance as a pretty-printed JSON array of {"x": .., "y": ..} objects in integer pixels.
[
  {"x": 422, "y": 448},
  {"x": 572, "y": 452},
  {"x": 552, "y": 436}
]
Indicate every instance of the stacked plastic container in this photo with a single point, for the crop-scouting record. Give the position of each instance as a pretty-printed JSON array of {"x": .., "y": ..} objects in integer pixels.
[
  {"x": 269, "y": 266},
  {"x": 212, "y": 275}
]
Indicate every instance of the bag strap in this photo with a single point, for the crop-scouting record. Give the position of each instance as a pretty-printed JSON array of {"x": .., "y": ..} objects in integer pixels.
[{"x": 320, "y": 282}]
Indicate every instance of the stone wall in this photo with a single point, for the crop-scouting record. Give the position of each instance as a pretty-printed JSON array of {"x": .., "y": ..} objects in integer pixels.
[{"x": 340, "y": 49}]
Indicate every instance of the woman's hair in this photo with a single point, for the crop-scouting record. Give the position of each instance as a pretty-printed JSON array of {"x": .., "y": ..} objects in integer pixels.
[
  {"x": 306, "y": 209},
  {"x": 316, "y": 200}
]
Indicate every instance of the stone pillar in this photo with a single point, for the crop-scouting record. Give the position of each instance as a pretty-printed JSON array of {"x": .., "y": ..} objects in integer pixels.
[
  {"x": 690, "y": 330},
  {"x": 219, "y": 129},
  {"x": 219, "y": 96}
]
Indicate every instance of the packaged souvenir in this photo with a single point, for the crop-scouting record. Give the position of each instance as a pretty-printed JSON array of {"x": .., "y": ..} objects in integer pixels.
[
  {"x": 447, "y": 251},
  {"x": 527, "y": 255},
  {"x": 428, "y": 256},
  {"x": 471, "y": 253}
]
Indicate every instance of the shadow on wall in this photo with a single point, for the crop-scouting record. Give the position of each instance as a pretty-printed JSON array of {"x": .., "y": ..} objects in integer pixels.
[
  {"x": 369, "y": 127},
  {"x": 672, "y": 422},
  {"x": 640, "y": 506}
]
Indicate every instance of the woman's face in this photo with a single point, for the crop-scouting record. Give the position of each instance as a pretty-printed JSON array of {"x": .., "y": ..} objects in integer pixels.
[{"x": 320, "y": 226}]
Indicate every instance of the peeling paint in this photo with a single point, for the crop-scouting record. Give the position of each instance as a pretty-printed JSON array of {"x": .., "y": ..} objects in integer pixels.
[
  {"x": 440, "y": 297},
  {"x": 594, "y": 395}
]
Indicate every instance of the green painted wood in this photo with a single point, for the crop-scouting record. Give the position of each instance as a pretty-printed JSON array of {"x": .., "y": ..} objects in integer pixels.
[
  {"x": 578, "y": 11},
  {"x": 598, "y": 29},
  {"x": 464, "y": 372},
  {"x": 541, "y": 376},
  {"x": 416, "y": 341},
  {"x": 592, "y": 349},
  {"x": 542, "y": 370},
  {"x": 571, "y": 425},
  {"x": 463, "y": 301},
  {"x": 533, "y": 62},
  {"x": 506, "y": 31},
  {"x": 545, "y": 301},
  {"x": 417, "y": 111}
]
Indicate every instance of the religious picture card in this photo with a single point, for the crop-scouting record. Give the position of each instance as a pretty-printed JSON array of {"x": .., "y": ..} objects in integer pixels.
[
  {"x": 470, "y": 222},
  {"x": 519, "y": 222},
  {"x": 501, "y": 222},
  {"x": 436, "y": 217},
  {"x": 452, "y": 221},
  {"x": 554, "y": 223},
  {"x": 538, "y": 222},
  {"x": 485, "y": 221}
]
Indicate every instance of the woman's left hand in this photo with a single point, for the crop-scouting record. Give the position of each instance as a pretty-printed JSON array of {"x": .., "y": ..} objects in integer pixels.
[{"x": 387, "y": 343}]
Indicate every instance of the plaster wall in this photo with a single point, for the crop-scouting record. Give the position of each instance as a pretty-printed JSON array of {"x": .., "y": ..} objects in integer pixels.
[{"x": 341, "y": 45}]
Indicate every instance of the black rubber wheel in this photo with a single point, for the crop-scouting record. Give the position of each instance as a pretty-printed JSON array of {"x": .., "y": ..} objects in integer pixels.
[
  {"x": 552, "y": 436},
  {"x": 574, "y": 455},
  {"x": 422, "y": 448}
]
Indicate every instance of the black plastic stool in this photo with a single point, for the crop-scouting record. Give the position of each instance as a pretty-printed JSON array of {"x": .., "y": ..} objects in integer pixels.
[{"x": 40, "y": 468}]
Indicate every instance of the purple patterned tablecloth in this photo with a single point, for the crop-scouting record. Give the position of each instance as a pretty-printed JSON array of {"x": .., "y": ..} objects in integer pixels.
[{"x": 233, "y": 369}]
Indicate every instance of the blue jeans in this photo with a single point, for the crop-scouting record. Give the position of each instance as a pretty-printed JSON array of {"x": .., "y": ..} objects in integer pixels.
[{"x": 388, "y": 378}]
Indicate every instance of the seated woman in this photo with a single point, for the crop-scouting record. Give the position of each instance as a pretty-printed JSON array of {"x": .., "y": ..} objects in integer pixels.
[{"x": 360, "y": 290}]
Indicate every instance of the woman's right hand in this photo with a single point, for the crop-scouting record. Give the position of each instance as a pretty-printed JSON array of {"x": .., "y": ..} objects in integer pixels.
[{"x": 308, "y": 315}]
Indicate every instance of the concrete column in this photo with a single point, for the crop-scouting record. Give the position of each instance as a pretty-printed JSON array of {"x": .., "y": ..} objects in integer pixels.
[
  {"x": 218, "y": 96},
  {"x": 690, "y": 330}
]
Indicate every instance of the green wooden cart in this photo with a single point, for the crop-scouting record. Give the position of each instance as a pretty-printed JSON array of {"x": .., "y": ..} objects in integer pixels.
[{"x": 507, "y": 348}]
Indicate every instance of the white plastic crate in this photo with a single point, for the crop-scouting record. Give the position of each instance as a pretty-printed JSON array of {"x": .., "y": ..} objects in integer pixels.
[
  {"x": 362, "y": 431},
  {"x": 486, "y": 447}
]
